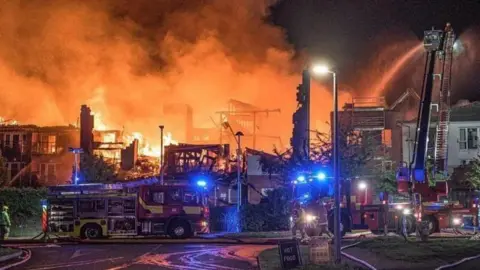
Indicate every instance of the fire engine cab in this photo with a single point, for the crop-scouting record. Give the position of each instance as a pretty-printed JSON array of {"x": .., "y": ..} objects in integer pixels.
[{"x": 103, "y": 210}]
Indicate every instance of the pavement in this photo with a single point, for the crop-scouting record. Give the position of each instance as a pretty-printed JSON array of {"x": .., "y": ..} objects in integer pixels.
[{"x": 141, "y": 256}]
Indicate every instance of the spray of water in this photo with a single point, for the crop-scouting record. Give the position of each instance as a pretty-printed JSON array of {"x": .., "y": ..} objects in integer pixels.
[{"x": 390, "y": 74}]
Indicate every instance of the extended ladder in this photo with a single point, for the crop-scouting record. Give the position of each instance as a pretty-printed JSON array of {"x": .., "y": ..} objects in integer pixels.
[{"x": 441, "y": 138}]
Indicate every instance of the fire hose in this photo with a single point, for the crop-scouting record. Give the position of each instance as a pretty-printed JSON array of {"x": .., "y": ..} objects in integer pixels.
[
  {"x": 355, "y": 259},
  {"x": 27, "y": 254},
  {"x": 446, "y": 266}
]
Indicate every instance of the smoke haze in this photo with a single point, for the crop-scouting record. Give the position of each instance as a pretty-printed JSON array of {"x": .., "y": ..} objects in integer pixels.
[{"x": 126, "y": 59}]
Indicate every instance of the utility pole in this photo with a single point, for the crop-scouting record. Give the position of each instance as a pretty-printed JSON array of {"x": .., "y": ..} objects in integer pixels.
[
  {"x": 160, "y": 166},
  {"x": 76, "y": 152}
]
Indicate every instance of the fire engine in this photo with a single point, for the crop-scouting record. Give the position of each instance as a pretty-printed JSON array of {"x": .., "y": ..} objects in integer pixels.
[
  {"x": 422, "y": 203},
  {"x": 103, "y": 210}
]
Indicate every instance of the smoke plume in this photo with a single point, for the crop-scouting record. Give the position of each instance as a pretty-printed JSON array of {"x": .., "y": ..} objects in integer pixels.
[{"x": 127, "y": 59}]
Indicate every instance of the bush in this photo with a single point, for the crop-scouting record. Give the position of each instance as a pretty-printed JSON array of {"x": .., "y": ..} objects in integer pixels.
[
  {"x": 271, "y": 215},
  {"x": 24, "y": 208},
  {"x": 223, "y": 219}
]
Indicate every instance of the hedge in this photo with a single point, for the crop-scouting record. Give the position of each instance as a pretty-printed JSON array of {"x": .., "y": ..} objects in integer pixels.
[
  {"x": 24, "y": 209},
  {"x": 271, "y": 215}
]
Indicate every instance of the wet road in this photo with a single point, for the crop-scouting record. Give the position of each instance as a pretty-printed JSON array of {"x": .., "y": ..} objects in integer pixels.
[{"x": 148, "y": 256}]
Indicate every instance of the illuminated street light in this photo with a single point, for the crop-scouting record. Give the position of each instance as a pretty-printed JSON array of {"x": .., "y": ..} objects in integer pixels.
[
  {"x": 321, "y": 70},
  {"x": 362, "y": 186}
]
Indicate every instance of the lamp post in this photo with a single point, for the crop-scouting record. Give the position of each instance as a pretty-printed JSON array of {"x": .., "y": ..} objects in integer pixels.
[
  {"x": 161, "y": 154},
  {"x": 337, "y": 220},
  {"x": 239, "y": 134}
]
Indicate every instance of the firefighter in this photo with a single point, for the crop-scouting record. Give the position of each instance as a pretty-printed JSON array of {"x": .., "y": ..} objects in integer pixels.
[
  {"x": 323, "y": 218},
  {"x": 4, "y": 222},
  {"x": 299, "y": 219}
]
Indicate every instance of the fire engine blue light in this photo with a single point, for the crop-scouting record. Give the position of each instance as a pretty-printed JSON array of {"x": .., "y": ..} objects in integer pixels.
[
  {"x": 321, "y": 176},
  {"x": 201, "y": 183},
  {"x": 306, "y": 195},
  {"x": 301, "y": 178}
]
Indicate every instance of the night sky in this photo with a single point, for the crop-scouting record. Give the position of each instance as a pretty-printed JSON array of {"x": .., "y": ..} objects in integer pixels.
[{"x": 351, "y": 34}]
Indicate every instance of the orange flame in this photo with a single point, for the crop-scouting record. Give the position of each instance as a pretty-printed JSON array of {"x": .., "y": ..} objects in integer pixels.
[{"x": 145, "y": 147}]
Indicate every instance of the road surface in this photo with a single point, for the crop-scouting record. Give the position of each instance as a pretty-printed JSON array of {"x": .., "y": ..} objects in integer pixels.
[{"x": 143, "y": 256}]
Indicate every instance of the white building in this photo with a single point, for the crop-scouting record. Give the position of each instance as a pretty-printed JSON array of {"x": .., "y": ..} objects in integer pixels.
[{"x": 463, "y": 135}]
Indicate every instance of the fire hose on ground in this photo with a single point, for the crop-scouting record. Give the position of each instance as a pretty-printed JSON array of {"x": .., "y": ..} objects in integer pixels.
[
  {"x": 355, "y": 259},
  {"x": 457, "y": 263},
  {"x": 27, "y": 254}
]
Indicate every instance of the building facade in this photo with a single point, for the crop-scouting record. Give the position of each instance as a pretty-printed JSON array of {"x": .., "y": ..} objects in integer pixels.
[
  {"x": 463, "y": 132},
  {"x": 38, "y": 155}
]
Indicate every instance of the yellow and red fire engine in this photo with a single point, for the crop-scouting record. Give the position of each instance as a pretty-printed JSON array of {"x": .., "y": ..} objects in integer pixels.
[{"x": 103, "y": 210}]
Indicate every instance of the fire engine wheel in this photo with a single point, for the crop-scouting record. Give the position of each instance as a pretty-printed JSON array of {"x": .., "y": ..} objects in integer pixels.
[
  {"x": 91, "y": 231},
  {"x": 179, "y": 229}
]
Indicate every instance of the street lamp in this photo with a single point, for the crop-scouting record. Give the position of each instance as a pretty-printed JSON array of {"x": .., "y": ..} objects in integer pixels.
[
  {"x": 323, "y": 70},
  {"x": 363, "y": 186}
]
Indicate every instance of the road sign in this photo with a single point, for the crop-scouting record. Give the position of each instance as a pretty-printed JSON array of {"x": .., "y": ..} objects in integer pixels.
[
  {"x": 290, "y": 256},
  {"x": 320, "y": 250}
]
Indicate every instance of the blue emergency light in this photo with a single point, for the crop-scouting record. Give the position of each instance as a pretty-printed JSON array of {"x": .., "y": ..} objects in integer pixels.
[
  {"x": 301, "y": 178},
  {"x": 321, "y": 176},
  {"x": 201, "y": 183}
]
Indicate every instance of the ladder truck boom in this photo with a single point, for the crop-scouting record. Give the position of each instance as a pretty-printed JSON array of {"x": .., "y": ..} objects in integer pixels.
[
  {"x": 439, "y": 47},
  {"x": 432, "y": 45}
]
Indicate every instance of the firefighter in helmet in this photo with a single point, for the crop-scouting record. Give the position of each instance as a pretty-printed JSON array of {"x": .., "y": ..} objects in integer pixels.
[
  {"x": 323, "y": 217},
  {"x": 299, "y": 220},
  {"x": 5, "y": 223}
]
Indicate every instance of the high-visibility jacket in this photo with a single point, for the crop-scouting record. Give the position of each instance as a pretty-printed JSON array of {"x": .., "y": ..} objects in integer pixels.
[
  {"x": 4, "y": 218},
  {"x": 299, "y": 215}
]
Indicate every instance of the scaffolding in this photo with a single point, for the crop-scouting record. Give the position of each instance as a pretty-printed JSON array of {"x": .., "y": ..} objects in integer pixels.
[
  {"x": 367, "y": 116},
  {"x": 246, "y": 118}
]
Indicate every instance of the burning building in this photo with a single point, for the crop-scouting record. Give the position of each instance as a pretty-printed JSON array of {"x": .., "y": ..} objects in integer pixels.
[{"x": 38, "y": 155}]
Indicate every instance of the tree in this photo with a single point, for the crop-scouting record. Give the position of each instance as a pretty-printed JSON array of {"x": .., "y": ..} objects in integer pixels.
[
  {"x": 94, "y": 169},
  {"x": 355, "y": 152},
  {"x": 472, "y": 179},
  {"x": 387, "y": 182},
  {"x": 3, "y": 172}
]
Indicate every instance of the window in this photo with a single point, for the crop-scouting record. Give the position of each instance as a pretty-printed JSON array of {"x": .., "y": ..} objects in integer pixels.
[
  {"x": 48, "y": 144},
  {"x": 174, "y": 195},
  {"x": 158, "y": 197},
  {"x": 468, "y": 138},
  {"x": 86, "y": 206},
  {"x": 190, "y": 198},
  {"x": 47, "y": 170}
]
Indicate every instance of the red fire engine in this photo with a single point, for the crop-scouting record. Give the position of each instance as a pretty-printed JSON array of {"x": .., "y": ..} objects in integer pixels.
[
  {"x": 98, "y": 210},
  {"x": 422, "y": 202}
]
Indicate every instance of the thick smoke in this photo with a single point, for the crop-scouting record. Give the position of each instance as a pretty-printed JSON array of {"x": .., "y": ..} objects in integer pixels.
[{"x": 127, "y": 59}]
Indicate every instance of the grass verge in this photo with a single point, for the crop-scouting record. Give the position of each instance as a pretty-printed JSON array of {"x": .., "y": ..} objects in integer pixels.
[
  {"x": 275, "y": 234},
  {"x": 448, "y": 250},
  {"x": 7, "y": 251},
  {"x": 270, "y": 259}
]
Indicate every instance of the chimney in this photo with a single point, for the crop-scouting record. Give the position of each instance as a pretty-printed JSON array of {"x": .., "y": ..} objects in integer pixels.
[
  {"x": 129, "y": 156},
  {"x": 86, "y": 129}
]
